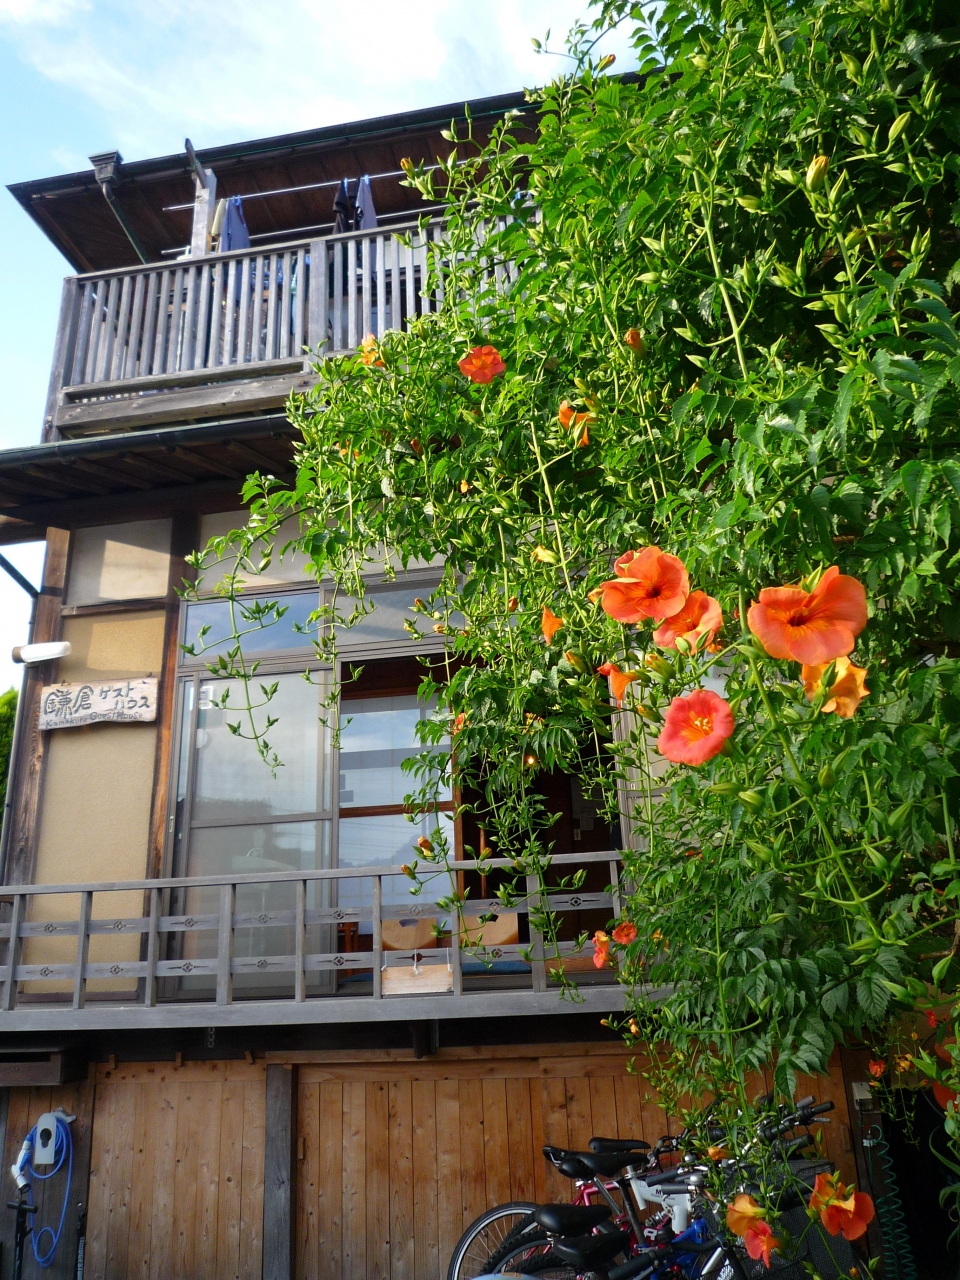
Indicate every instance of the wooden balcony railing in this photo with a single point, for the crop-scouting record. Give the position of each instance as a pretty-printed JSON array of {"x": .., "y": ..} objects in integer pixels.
[
  {"x": 231, "y": 331},
  {"x": 313, "y": 946}
]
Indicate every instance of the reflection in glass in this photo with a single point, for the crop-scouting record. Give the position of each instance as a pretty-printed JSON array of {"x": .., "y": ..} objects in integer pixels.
[
  {"x": 291, "y": 631},
  {"x": 232, "y": 783},
  {"x": 390, "y": 608},
  {"x": 382, "y": 841},
  {"x": 247, "y": 850},
  {"x": 376, "y": 736}
]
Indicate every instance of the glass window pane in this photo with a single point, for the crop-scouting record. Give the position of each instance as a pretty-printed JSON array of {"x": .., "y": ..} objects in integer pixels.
[
  {"x": 281, "y": 846},
  {"x": 391, "y": 607},
  {"x": 291, "y": 631},
  {"x": 232, "y": 782},
  {"x": 373, "y": 842},
  {"x": 376, "y": 736}
]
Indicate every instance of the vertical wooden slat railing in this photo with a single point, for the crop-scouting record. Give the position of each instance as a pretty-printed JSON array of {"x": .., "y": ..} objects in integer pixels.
[
  {"x": 241, "y": 314},
  {"x": 233, "y": 939}
]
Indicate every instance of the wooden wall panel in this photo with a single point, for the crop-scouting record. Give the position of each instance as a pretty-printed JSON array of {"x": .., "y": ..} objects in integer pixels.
[
  {"x": 176, "y": 1183},
  {"x": 399, "y": 1156},
  {"x": 25, "y": 1106}
]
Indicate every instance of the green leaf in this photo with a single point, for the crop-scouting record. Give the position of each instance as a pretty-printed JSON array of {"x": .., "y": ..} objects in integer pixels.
[{"x": 916, "y": 478}]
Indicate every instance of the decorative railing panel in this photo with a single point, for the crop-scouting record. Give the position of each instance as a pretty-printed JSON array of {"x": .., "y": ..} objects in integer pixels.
[{"x": 203, "y": 942}]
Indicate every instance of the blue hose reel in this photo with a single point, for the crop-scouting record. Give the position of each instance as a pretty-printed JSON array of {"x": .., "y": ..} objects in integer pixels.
[{"x": 52, "y": 1138}]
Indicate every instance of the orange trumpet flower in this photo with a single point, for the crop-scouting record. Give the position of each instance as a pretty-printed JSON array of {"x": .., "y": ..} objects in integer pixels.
[
  {"x": 700, "y": 614},
  {"x": 842, "y": 1210},
  {"x": 482, "y": 364},
  {"x": 649, "y": 584},
  {"x": 550, "y": 624},
  {"x": 847, "y": 691},
  {"x": 810, "y": 626},
  {"x": 618, "y": 679},
  {"x": 695, "y": 728}
]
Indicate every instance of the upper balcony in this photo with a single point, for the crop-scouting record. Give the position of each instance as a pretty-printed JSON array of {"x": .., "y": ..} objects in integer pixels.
[
  {"x": 157, "y": 329},
  {"x": 229, "y": 333}
]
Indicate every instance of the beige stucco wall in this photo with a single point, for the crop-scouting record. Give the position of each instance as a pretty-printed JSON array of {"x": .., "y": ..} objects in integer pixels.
[{"x": 97, "y": 790}]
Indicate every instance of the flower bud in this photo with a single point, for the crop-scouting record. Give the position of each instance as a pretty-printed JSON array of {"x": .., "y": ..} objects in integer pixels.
[
  {"x": 544, "y": 556},
  {"x": 606, "y": 61},
  {"x": 406, "y": 164},
  {"x": 898, "y": 127},
  {"x": 425, "y": 844},
  {"x": 816, "y": 172},
  {"x": 512, "y": 604},
  {"x": 634, "y": 340},
  {"x": 826, "y": 777},
  {"x": 750, "y": 799}
]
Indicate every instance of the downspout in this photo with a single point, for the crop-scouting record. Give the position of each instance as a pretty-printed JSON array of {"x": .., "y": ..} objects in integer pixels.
[
  {"x": 15, "y": 744},
  {"x": 105, "y": 166}
]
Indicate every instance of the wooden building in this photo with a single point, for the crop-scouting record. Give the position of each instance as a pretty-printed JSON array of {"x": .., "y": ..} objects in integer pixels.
[{"x": 276, "y": 1068}]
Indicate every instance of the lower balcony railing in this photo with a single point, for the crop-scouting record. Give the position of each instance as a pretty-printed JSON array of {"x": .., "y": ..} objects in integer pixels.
[{"x": 299, "y": 946}]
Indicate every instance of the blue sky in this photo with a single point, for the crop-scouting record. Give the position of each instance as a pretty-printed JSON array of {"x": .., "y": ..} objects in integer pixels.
[{"x": 81, "y": 76}]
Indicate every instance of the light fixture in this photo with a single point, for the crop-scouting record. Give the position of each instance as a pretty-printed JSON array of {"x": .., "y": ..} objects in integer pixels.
[{"x": 33, "y": 654}]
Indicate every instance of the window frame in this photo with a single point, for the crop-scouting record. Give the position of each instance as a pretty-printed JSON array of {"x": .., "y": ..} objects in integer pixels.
[{"x": 195, "y": 670}]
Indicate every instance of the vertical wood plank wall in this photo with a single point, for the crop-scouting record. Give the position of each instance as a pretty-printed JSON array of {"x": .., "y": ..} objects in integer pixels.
[
  {"x": 393, "y": 1157},
  {"x": 176, "y": 1178},
  {"x": 398, "y": 1158}
]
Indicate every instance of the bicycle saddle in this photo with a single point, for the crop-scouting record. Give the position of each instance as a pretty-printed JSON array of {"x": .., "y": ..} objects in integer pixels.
[
  {"x": 570, "y": 1219},
  {"x": 607, "y": 1163},
  {"x": 589, "y": 1252},
  {"x": 602, "y": 1145}
]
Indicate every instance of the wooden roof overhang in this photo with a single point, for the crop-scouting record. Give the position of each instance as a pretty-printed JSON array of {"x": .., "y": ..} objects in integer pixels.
[
  {"x": 73, "y": 214},
  {"x": 138, "y": 475}
]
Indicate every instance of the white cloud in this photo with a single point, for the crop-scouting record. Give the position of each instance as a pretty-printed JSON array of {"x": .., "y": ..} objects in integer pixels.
[
  {"x": 222, "y": 73},
  {"x": 45, "y": 12}
]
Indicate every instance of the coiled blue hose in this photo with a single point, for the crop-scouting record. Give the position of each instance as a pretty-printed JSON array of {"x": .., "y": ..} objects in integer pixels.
[
  {"x": 62, "y": 1150},
  {"x": 897, "y": 1251}
]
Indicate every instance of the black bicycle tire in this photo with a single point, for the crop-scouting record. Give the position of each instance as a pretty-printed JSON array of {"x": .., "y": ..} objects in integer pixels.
[
  {"x": 525, "y": 1208},
  {"x": 514, "y": 1240},
  {"x": 537, "y": 1265}
]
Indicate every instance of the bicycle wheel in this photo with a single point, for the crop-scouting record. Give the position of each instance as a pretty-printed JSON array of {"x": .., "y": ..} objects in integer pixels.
[
  {"x": 530, "y": 1255},
  {"x": 486, "y": 1237}
]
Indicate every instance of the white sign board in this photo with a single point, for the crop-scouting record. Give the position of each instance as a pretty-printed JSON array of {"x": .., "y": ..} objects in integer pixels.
[{"x": 66, "y": 706}]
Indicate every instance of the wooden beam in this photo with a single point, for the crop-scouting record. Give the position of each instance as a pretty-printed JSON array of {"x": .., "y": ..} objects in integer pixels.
[
  {"x": 210, "y": 495},
  {"x": 328, "y": 1011},
  {"x": 30, "y": 748},
  {"x": 280, "y": 1174},
  {"x": 196, "y": 458},
  {"x": 182, "y": 406},
  {"x": 181, "y": 378}
]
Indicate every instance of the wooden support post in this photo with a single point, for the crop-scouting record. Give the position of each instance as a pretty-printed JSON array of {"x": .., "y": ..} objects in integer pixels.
[
  {"x": 30, "y": 747},
  {"x": 83, "y": 950},
  {"x": 183, "y": 540},
  {"x": 225, "y": 946},
  {"x": 299, "y": 990},
  {"x": 13, "y": 952},
  {"x": 537, "y": 968},
  {"x": 279, "y": 1173},
  {"x": 377, "y": 946},
  {"x": 153, "y": 940}
]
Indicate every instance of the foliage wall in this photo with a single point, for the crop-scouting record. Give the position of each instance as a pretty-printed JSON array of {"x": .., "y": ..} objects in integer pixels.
[{"x": 721, "y": 301}]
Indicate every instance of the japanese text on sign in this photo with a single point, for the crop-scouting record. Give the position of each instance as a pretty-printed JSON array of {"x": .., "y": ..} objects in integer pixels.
[{"x": 66, "y": 706}]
